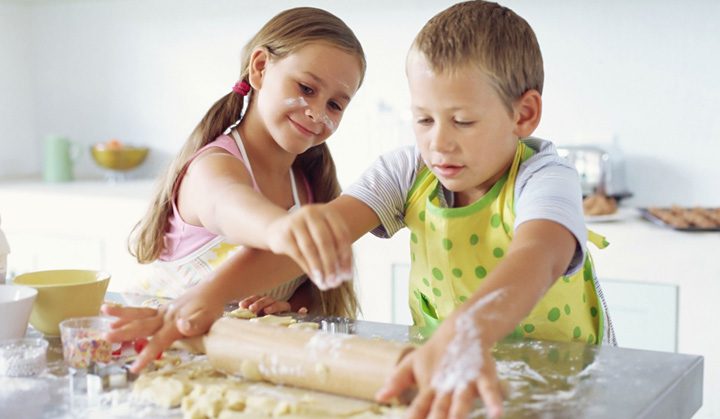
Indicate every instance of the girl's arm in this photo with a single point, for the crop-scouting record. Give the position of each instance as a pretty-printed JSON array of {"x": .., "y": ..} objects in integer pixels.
[
  {"x": 540, "y": 253},
  {"x": 217, "y": 193},
  {"x": 248, "y": 272}
]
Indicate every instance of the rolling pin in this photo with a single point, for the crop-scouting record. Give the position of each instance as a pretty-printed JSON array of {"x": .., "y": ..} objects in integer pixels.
[{"x": 346, "y": 365}]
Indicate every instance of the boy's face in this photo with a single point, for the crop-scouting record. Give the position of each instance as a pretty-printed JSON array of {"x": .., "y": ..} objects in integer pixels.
[{"x": 465, "y": 133}]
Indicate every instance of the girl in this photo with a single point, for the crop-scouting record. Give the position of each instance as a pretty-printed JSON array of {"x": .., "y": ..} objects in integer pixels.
[{"x": 238, "y": 171}]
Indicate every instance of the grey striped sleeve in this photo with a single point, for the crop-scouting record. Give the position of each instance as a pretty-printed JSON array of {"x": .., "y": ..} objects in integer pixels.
[
  {"x": 547, "y": 187},
  {"x": 384, "y": 187}
]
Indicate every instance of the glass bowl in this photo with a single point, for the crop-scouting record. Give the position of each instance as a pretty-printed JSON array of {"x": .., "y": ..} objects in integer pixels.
[
  {"x": 83, "y": 343},
  {"x": 23, "y": 357}
]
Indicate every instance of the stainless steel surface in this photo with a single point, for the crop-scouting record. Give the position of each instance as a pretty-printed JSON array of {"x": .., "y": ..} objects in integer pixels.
[
  {"x": 546, "y": 379},
  {"x": 601, "y": 170}
]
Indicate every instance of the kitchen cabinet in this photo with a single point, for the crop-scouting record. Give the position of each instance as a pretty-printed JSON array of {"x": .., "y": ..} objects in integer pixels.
[
  {"x": 661, "y": 285},
  {"x": 644, "y": 315},
  {"x": 75, "y": 225}
]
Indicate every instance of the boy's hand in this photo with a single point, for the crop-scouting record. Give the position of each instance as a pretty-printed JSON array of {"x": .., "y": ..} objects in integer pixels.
[
  {"x": 266, "y": 305},
  {"x": 318, "y": 240},
  {"x": 190, "y": 315},
  {"x": 449, "y": 375}
]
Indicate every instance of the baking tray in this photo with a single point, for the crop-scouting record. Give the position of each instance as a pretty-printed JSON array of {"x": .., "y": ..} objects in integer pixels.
[{"x": 646, "y": 214}]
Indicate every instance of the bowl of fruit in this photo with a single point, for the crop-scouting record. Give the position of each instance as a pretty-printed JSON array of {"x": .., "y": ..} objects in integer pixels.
[{"x": 118, "y": 157}]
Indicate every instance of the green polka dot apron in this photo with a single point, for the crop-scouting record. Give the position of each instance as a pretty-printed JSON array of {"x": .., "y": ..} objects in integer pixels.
[{"x": 454, "y": 249}]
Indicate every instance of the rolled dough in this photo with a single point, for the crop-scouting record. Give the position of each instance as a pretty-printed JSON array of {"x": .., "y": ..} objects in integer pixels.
[{"x": 201, "y": 392}]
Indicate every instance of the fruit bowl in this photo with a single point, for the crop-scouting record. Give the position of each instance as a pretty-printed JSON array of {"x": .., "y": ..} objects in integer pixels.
[{"x": 121, "y": 159}]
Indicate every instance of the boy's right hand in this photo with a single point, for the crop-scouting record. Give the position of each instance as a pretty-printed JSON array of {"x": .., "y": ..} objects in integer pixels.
[
  {"x": 191, "y": 314},
  {"x": 318, "y": 240}
]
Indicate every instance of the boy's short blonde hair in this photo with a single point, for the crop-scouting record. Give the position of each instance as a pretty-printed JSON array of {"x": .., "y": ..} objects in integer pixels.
[{"x": 489, "y": 36}]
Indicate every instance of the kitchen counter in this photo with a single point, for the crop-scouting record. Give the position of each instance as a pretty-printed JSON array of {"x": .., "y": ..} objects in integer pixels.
[
  {"x": 83, "y": 224},
  {"x": 545, "y": 379},
  {"x": 140, "y": 189}
]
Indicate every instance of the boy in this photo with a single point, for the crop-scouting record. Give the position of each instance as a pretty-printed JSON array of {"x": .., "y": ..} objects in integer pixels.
[{"x": 497, "y": 231}]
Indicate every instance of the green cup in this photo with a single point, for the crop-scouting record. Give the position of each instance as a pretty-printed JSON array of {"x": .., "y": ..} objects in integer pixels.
[{"x": 60, "y": 155}]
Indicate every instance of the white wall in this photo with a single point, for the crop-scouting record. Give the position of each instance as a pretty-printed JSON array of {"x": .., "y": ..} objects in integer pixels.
[
  {"x": 18, "y": 146},
  {"x": 642, "y": 73}
]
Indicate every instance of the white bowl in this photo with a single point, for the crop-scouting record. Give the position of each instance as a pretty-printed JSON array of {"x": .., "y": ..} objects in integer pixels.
[{"x": 16, "y": 303}]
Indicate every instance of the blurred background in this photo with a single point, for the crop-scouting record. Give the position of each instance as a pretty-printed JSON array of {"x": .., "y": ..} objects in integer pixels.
[{"x": 640, "y": 76}]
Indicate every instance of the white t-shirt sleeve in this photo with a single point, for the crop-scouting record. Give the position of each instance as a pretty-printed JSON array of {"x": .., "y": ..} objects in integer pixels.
[
  {"x": 384, "y": 187},
  {"x": 548, "y": 188}
]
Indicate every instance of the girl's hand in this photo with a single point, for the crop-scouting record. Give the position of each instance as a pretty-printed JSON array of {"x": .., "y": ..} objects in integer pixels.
[
  {"x": 136, "y": 323},
  {"x": 318, "y": 240},
  {"x": 449, "y": 374},
  {"x": 265, "y": 305},
  {"x": 190, "y": 315}
]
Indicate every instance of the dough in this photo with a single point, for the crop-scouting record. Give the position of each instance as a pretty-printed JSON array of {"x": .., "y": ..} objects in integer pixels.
[
  {"x": 203, "y": 402},
  {"x": 304, "y": 326},
  {"x": 275, "y": 320},
  {"x": 241, "y": 313},
  {"x": 322, "y": 371},
  {"x": 163, "y": 391},
  {"x": 250, "y": 370},
  {"x": 202, "y": 392}
]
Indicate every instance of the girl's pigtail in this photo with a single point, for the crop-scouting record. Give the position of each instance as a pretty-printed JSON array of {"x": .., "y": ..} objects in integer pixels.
[{"x": 146, "y": 240}]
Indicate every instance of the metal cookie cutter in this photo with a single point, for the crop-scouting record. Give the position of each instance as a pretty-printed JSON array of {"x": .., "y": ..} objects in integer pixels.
[{"x": 337, "y": 325}]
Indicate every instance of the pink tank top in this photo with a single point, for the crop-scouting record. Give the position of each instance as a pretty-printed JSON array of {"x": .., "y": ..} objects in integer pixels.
[{"x": 182, "y": 238}]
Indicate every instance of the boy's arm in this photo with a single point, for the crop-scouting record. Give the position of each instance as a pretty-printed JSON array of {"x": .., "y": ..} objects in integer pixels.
[{"x": 538, "y": 255}]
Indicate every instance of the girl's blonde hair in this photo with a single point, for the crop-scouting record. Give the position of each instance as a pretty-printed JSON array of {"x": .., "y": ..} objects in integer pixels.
[
  {"x": 284, "y": 34},
  {"x": 489, "y": 36}
]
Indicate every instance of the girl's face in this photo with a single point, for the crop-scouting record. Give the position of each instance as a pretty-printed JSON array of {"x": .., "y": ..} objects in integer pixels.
[
  {"x": 301, "y": 98},
  {"x": 465, "y": 133}
]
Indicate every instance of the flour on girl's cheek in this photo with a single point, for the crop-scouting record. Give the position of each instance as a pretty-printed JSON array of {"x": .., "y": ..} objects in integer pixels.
[
  {"x": 463, "y": 358},
  {"x": 296, "y": 102},
  {"x": 300, "y": 103}
]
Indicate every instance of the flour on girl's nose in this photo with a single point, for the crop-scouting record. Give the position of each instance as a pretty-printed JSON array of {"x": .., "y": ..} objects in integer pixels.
[
  {"x": 300, "y": 103},
  {"x": 328, "y": 123}
]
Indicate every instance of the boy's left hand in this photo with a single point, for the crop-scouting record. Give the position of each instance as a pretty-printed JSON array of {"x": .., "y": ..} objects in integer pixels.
[
  {"x": 427, "y": 364},
  {"x": 317, "y": 238}
]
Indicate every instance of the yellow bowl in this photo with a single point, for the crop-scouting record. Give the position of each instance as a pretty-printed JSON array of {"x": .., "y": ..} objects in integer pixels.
[
  {"x": 125, "y": 158},
  {"x": 63, "y": 294}
]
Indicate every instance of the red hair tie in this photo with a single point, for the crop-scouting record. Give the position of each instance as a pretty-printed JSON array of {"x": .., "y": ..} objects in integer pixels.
[{"x": 242, "y": 88}]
